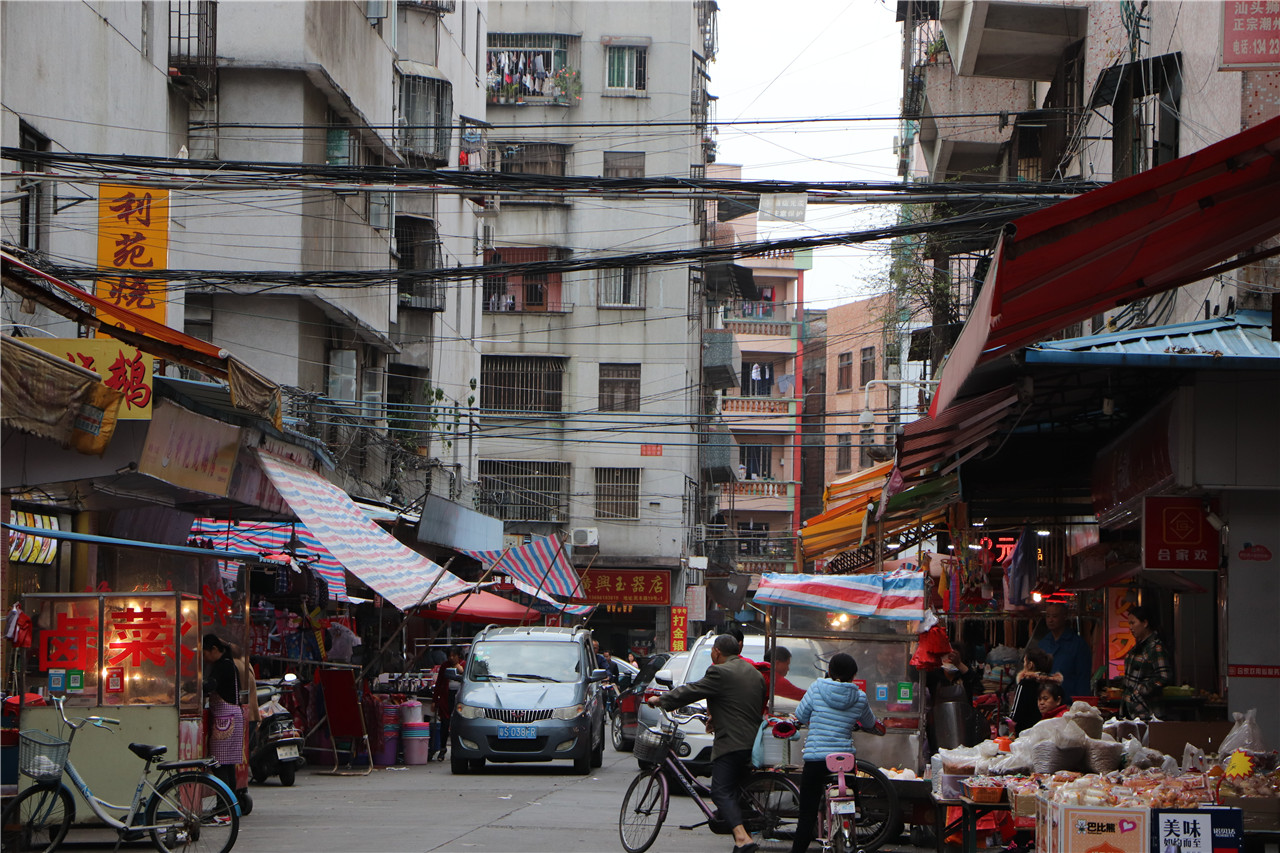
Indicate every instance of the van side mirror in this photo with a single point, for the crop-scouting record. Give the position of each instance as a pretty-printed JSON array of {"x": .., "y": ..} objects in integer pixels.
[{"x": 598, "y": 675}]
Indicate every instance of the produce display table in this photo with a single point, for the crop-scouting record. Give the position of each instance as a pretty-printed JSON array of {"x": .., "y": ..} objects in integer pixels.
[{"x": 970, "y": 813}]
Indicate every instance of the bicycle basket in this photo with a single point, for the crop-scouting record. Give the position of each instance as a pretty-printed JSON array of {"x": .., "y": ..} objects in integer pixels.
[
  {"x": 41, "y": 755},
  {"x": 652, "y": 747}
]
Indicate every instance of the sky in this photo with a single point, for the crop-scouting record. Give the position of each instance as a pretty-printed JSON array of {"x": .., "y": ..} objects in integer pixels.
[{"x": 806, "y": 59}]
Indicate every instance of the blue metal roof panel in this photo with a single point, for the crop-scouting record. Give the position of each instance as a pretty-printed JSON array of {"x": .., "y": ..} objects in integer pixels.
[{"x": 1240, "y": 341}]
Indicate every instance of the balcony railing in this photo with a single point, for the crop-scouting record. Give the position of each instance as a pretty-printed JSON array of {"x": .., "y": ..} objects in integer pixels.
[
  {"x": 423, "y": 296},
  {"x": 762, "y": 489},
  {"x": 193, "y": 46},
  {"x": 513, "y": 306}
]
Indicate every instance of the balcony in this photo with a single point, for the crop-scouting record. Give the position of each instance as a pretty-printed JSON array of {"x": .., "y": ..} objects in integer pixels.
[
  {"x": 761, "y": 320},
  {"x": 720, "y": 358},
  {"x": 771, "y": 414},
  {"x": 965, "y": 148},
  {"x": 422, "y": 296},
  {"x": 761, "y": 496},
  {"x": 1013, "y": 40},
  {"x": 771, "y": 554},
  {"x": 512, "y": 305},
  {"x": 193, "y": 47}
]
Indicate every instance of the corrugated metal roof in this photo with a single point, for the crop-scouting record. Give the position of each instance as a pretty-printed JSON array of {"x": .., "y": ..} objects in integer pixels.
[{"x": 1240, "y": 341}]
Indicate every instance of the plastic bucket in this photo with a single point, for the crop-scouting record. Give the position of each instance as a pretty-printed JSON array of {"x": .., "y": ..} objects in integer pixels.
[
  {"x": 416, "y": 739},
  {"x": 386, "y": 754},
  {"x": 411, "y": 712}
]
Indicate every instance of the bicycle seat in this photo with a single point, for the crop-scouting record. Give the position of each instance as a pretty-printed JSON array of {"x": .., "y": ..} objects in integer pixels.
[
  {"x": 840, "y": 763},
  {"x": 146, "y": 751}
]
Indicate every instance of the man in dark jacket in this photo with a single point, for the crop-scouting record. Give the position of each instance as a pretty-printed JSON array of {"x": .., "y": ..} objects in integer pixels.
[{"x": 735, "y": 693}]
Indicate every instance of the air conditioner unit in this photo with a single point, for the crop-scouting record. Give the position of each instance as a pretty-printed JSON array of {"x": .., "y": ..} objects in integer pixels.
[{"x": 586, "y": 537}]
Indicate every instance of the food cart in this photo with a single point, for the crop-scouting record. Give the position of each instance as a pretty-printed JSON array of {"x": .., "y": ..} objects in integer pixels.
[{"x": 131, "y": 656}]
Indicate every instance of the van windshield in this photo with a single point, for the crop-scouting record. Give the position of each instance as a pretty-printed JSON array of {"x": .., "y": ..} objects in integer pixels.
[{"x": 508, "y": 661}]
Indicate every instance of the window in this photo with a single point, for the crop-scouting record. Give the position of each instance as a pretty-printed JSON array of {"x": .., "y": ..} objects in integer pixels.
[
  {"x": 622, "y": 287},
  {"x": 752, "y": 538},
  {"x": 624, "y": 164},
  {"x": 426, "y": 117},
  {"x": 619, "y": 387},
  {"x": 526, "y": 64},
  {"x": 844, "y": 452},
  {"x": 532, "y": 291},
  {"x": 626, "y": 68},
  {"x": 868, "y": 366},
  {"x": 844, "y": 371},
  {"x": 618, "y": 493},
  {"x": 515, "y": 490},
  {"x": 32, "y": 213},
  {"x": 418, "y": 246},
  {"x": 755, "y": 460},
  {"x": 528, "y": 158},
  {"x": 521, "y": 383}
]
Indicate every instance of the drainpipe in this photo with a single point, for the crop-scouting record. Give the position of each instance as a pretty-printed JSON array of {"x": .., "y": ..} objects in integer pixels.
[{"x": 797, "y": 474}]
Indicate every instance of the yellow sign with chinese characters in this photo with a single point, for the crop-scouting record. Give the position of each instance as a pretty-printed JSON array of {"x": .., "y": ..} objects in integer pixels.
[
  {"x": 122, "y": 367},
  {"x": 133, "y": 235}
]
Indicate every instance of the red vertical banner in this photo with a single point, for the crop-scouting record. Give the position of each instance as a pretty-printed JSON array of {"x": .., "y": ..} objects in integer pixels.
[{"x": 679, "y": 628}]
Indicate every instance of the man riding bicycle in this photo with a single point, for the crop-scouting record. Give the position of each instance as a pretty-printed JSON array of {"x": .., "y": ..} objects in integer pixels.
[{"x": 735, "y": 694}]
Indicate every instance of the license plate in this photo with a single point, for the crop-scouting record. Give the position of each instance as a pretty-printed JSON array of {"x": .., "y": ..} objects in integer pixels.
[
  {"x": 520, "y": 732},
  {"x": 844, "y": 807},
  {"x": 289, "y": 751}
]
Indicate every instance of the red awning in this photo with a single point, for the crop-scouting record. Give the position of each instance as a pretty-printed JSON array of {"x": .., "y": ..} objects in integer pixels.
[
  {"x": 962, "y": 431},
  {"x": 1143, "y": 235},
  {"x": 481, "y": 607}
]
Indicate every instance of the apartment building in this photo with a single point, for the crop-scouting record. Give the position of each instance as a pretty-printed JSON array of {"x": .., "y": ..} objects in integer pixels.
[{"x": 590, "y": 381}]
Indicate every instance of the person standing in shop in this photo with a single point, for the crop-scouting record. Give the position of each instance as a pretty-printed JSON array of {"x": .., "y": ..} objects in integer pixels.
[
  {"x": 1147, "y": 667},
  {"x": 1072, "y": 658},
  {"x": 226, "y": 719}
]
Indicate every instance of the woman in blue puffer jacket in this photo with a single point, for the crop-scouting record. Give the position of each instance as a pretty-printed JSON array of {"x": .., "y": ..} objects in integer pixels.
[{"x": 830, "y": 707}]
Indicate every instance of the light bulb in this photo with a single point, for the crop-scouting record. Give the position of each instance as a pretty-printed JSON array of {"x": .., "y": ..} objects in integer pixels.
[{"x": 1037, "y": 596}]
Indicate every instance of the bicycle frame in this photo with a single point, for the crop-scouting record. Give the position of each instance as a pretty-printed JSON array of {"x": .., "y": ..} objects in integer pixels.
[{"x": 100, "y": 806}]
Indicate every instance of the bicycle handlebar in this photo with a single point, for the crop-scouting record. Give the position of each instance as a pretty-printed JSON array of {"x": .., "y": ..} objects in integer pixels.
[
  {"x": 677, "y": 718},
  {"x": 99, "y": 722}
]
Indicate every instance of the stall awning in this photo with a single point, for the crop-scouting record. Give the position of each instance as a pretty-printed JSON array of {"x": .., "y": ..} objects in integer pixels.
[
  {"x": 895, "y": 595},
  {"x": 52, "y": 398},
  {"x": 1126, "y": 572},
  {"x": 480, "y": 606},
  {"x": 400, "y": 575},
  {"x": 1140, "y": 236},
  {"x": 956, "y": 434},
  {"x": 267, "y": 536}
]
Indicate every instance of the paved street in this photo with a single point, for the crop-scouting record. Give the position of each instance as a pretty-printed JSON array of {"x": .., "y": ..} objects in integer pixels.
[{"x": 510, "y": 808}]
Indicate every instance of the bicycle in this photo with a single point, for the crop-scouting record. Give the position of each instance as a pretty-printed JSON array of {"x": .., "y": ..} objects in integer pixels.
[
  {"x": 772, "y": 800},
  {"x": 186, "y": 810},
  {"x": 860, "y": 816}
]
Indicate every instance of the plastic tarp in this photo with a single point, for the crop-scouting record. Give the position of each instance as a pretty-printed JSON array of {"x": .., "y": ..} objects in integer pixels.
[{"x": 481, "y": 606}]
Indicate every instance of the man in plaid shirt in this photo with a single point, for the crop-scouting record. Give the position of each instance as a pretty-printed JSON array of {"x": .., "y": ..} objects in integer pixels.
[{"x": 1147, "y": 668}]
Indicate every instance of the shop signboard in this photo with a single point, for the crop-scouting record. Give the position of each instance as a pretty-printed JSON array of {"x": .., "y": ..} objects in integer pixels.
[
  {"x": 123, "y": 368},
  {"x": 1176, "y": 534},
  {"x": 189, "y": 450},
  {"x": 679, "y": 629},
  {"x": 695, "y": 598},
  {"x": 133, "y": 236},
  {"x": 1204, "y": 830},
  {"x": 1250, "y": 35},
  {"x": 627, "y": 586}
]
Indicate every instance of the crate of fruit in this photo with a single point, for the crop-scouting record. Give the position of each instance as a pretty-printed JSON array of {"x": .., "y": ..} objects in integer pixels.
[{"x": 984, "y": 789}]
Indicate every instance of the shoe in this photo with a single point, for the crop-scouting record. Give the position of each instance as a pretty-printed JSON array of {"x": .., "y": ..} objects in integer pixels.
[{"x": 749, "y": 847}]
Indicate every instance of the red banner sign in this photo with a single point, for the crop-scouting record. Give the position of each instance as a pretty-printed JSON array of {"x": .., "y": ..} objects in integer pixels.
[
  {"x": 679, "y": 628},
  {"x": 1176, "y": 534},
  {"x": 651, "y": 450},
  {"x": 627, "y": 586},
  {"x": 1250, "y": 34},
  {"x": 1244, "y": 670}
]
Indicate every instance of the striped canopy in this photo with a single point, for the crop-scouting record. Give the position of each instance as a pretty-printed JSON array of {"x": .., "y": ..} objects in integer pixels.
[
  {"x": 272, "y": 538},
  {"x": 558, "y": 606},
  {"x": 541, "y": 563},
  {"x": 400, "y": 575},
  {"x": 897, "y": 595}
]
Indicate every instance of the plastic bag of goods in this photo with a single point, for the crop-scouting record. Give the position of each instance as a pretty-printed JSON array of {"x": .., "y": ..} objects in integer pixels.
[
  {"x": 1244, "y": 734},
  {"x": 1086, "y": 717},
  {"x": 1103, "y": 756}
]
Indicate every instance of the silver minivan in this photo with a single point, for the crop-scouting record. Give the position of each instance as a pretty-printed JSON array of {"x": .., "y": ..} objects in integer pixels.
[{"x": 529, "y": 694}]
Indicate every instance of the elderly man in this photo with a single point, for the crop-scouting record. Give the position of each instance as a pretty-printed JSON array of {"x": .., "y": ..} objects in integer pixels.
[
  {"x": 1070, "y": 653},
  {"x": 735, "y": 694}
]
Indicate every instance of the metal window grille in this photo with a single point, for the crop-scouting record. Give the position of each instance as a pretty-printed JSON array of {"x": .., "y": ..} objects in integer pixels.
[
  {"x": 193, "y": 45},
  {"x": 627, "y": 68},
  {"x": 844, "y": 371},
  {"x": 521, "y": 383},
  {"x": 844, "y": 452},
  {"x": 419, "y": 248},
  {"x": 756, "y": 459},
  {"x": 528, "y": 158},
  {"x": 619, "y": 387},
  {"x": 618, "y": 493},
  {"x": 426, "y": 116},
  {"x": 525, "y": 491},
  {"x": 867, "y": 366},
  {"x": 622, "y": 287},
  {"x": 508, "y": 50},
  {"x": 624, "y": 164}
]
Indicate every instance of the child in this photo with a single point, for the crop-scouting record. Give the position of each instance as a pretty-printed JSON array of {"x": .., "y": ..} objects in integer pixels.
[
  {"x": 1052, "y": 701},
  {"x": 1034, "y": 675}
]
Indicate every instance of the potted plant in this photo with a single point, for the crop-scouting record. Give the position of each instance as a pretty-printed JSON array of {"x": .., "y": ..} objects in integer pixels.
[
  {"x": 509, "y": 93},
  {"x": 568, "y": 85}
]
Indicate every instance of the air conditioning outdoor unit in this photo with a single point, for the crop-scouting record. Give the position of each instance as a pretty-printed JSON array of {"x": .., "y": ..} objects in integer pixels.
[{"x": 586, "y": 537}]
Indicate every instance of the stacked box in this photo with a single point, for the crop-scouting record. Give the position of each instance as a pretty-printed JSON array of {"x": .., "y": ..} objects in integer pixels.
[{"x": 1081, "y": 829}]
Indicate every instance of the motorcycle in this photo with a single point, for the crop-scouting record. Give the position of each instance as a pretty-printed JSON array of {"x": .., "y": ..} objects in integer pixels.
[{"x": 275, "y": 747}]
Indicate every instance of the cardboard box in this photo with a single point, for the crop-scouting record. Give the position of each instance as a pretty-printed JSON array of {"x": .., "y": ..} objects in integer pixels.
[
  {"x": 1259, "y": 814},
  {"x": 1210, "y": 829},
  {"x": 1078, "y": 829},
  {"x": 1172, "y": 738}
]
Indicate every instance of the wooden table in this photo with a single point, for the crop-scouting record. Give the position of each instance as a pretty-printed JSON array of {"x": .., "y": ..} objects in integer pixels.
[{"x": 970, "y": 813}]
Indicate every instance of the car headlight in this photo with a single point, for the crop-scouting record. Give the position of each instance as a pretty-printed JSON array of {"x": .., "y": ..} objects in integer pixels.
[
  {"x": 570, "y": 713},
  {"x": 468, "y": 712}
]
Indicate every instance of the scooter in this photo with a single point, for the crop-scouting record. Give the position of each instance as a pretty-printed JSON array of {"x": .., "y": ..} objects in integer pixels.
[{"x": 275, "y": 748}]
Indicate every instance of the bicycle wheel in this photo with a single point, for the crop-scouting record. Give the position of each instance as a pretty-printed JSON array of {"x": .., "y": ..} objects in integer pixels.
[
  {"x": 192, "y": 812},
  {"x": 644, "y": 808},
  {"x": 773, "y": 805},
  {"x": 880, "y": 819},
  {"x": 38, "y": 819}
]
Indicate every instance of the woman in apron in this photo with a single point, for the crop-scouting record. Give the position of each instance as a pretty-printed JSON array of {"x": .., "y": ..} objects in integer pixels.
[{"x": 226, "y": 719}]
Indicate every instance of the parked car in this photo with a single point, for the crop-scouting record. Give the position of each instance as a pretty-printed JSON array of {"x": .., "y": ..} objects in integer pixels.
[
  {"x": 529, "y": 694},
  {"x": 632, "y": 683}
]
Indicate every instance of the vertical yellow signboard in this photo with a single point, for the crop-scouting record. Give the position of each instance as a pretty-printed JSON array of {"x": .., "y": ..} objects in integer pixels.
[{"x": 133, "y": 237}]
